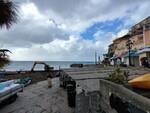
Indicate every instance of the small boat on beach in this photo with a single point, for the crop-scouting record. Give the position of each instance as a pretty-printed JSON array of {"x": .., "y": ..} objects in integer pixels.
[
  {"x": 9, "y": 89},
  {"x": 142, "y": 82}
]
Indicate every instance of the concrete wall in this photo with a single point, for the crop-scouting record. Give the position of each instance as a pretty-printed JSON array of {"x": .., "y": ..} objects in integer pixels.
[
  {"x": 138, "y": 42},
  {"x": 121, "y": 46},
  {"x": 88, "y": 103},
  {"x": 111, "y": 98},
  {"x": 133, "y": 102},
  {"x": 147, "y": 38}
]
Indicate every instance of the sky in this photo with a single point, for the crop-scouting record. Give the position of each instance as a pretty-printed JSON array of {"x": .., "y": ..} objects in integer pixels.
[{"x": 69, "y": 30}]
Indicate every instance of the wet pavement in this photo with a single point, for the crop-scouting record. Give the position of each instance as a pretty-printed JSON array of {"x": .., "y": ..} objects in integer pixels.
[{"x": 38, "y": 98}]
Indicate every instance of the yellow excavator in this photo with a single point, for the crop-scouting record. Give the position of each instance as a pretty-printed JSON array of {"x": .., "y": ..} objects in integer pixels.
[{"x": 46, "y": 66}]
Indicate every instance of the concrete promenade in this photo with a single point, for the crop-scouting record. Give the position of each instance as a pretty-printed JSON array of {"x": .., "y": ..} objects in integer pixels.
[
  {"x": 38, "y": 98},
  {"x": 88, "y": 77}
]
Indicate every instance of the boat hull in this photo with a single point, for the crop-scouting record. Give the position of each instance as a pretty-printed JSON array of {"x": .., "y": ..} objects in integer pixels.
[{"x": 142, "y": 82}]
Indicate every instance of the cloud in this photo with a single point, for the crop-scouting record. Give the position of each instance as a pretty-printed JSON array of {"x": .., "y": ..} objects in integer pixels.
[
  {"x": 33, "y": 28},
  {"x": 105, "y": 39},
  {"x": 141, "y": 12},
  {"x": 50, "y": 29},
  {"x": 77, "y": 15},
  {"x": 75, "y": 48},
  {"x": 122, "y": 32}
]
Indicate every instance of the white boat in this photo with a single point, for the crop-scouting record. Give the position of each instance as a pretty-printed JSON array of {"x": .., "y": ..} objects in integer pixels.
[{"x": 9, "y": 89}]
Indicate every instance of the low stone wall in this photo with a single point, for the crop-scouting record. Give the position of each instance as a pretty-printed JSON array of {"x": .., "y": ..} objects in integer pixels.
[
  {"x": 111, "y": 98},
  {"x": 35, "y": 75},
  {"x": 88, "y": 102},
  {"x": 115, "y": 98}
]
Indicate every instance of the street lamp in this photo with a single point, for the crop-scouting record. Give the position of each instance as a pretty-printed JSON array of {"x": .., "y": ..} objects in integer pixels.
[{"x": 129, "y": 44}]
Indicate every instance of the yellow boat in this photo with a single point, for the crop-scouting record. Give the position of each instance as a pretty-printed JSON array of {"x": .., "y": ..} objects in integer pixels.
[{"x": 142, "y": 82}]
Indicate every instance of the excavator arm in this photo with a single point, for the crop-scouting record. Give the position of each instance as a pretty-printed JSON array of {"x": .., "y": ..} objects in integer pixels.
[{"x": 46, "y": 66}]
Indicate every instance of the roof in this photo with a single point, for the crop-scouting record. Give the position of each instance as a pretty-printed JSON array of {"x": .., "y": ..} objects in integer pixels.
[
  {"x": 122, "y": 38},
  {"x": 145, "y": 21},
  {"x": 138, "y": 28}
]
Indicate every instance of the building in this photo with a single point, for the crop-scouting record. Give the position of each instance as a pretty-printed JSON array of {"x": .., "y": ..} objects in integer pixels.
[
  {"x": 144, "y": 53},
  {"x": 119, "y": 49},
  {"x": 139, "y": 35}
]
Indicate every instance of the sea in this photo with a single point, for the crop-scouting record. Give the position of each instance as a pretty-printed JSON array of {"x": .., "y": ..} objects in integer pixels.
[{"x": 27, "y": 65}]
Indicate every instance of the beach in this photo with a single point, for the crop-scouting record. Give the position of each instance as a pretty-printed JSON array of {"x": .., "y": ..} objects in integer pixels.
[{"x": 27, "y": 65}]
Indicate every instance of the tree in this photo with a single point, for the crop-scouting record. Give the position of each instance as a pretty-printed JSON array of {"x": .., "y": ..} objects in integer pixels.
[
  {"x": 8, "y": 13},
  {"x": 8, "y": 16},
  {"x": 4, "y": 58}
]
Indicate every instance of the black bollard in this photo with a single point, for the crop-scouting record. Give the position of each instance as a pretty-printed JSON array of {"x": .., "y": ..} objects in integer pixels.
[{"x": 71, "y": 93}]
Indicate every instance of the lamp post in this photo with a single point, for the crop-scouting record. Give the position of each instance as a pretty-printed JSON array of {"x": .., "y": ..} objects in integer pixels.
[
  {"x": 95, "y": 57},
  {"x": 129, "y": 44}
]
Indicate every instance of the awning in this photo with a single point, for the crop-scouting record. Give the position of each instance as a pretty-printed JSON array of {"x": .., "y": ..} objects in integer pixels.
[
  {"x": 114, "y": 57},
  {"x": 133, "y": 53},
  {"x": 117, "y": 56},
  {"x": 144, "y": 50}
]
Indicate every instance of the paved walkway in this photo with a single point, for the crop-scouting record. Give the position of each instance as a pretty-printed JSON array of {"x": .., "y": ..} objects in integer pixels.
[
  {"x": 38, "y": 98},
  {"x": 87, "y": 78}
]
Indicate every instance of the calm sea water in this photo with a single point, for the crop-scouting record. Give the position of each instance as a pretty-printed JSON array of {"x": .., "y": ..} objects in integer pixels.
[{"x": 27, "y": 65}]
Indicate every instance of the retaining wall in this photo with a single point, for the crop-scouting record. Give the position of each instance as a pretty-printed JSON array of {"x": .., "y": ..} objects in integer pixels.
[
  {"x": 118, "y": 99},
  {"x": 111, "y": 98}
]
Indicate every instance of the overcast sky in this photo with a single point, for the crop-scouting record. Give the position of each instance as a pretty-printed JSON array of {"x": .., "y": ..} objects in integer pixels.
[{"x": 69, "y": 29}]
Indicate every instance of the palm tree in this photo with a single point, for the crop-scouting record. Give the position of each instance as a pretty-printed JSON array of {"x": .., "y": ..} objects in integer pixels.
[
  {"x": 4, "y": 58},
  {"x": 8, "y": 13},
  {"x": 8, "y": 16}
]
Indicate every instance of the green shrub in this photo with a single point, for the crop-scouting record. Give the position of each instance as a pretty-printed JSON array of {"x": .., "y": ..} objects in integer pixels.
[{"x": 118, "y": 76}]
